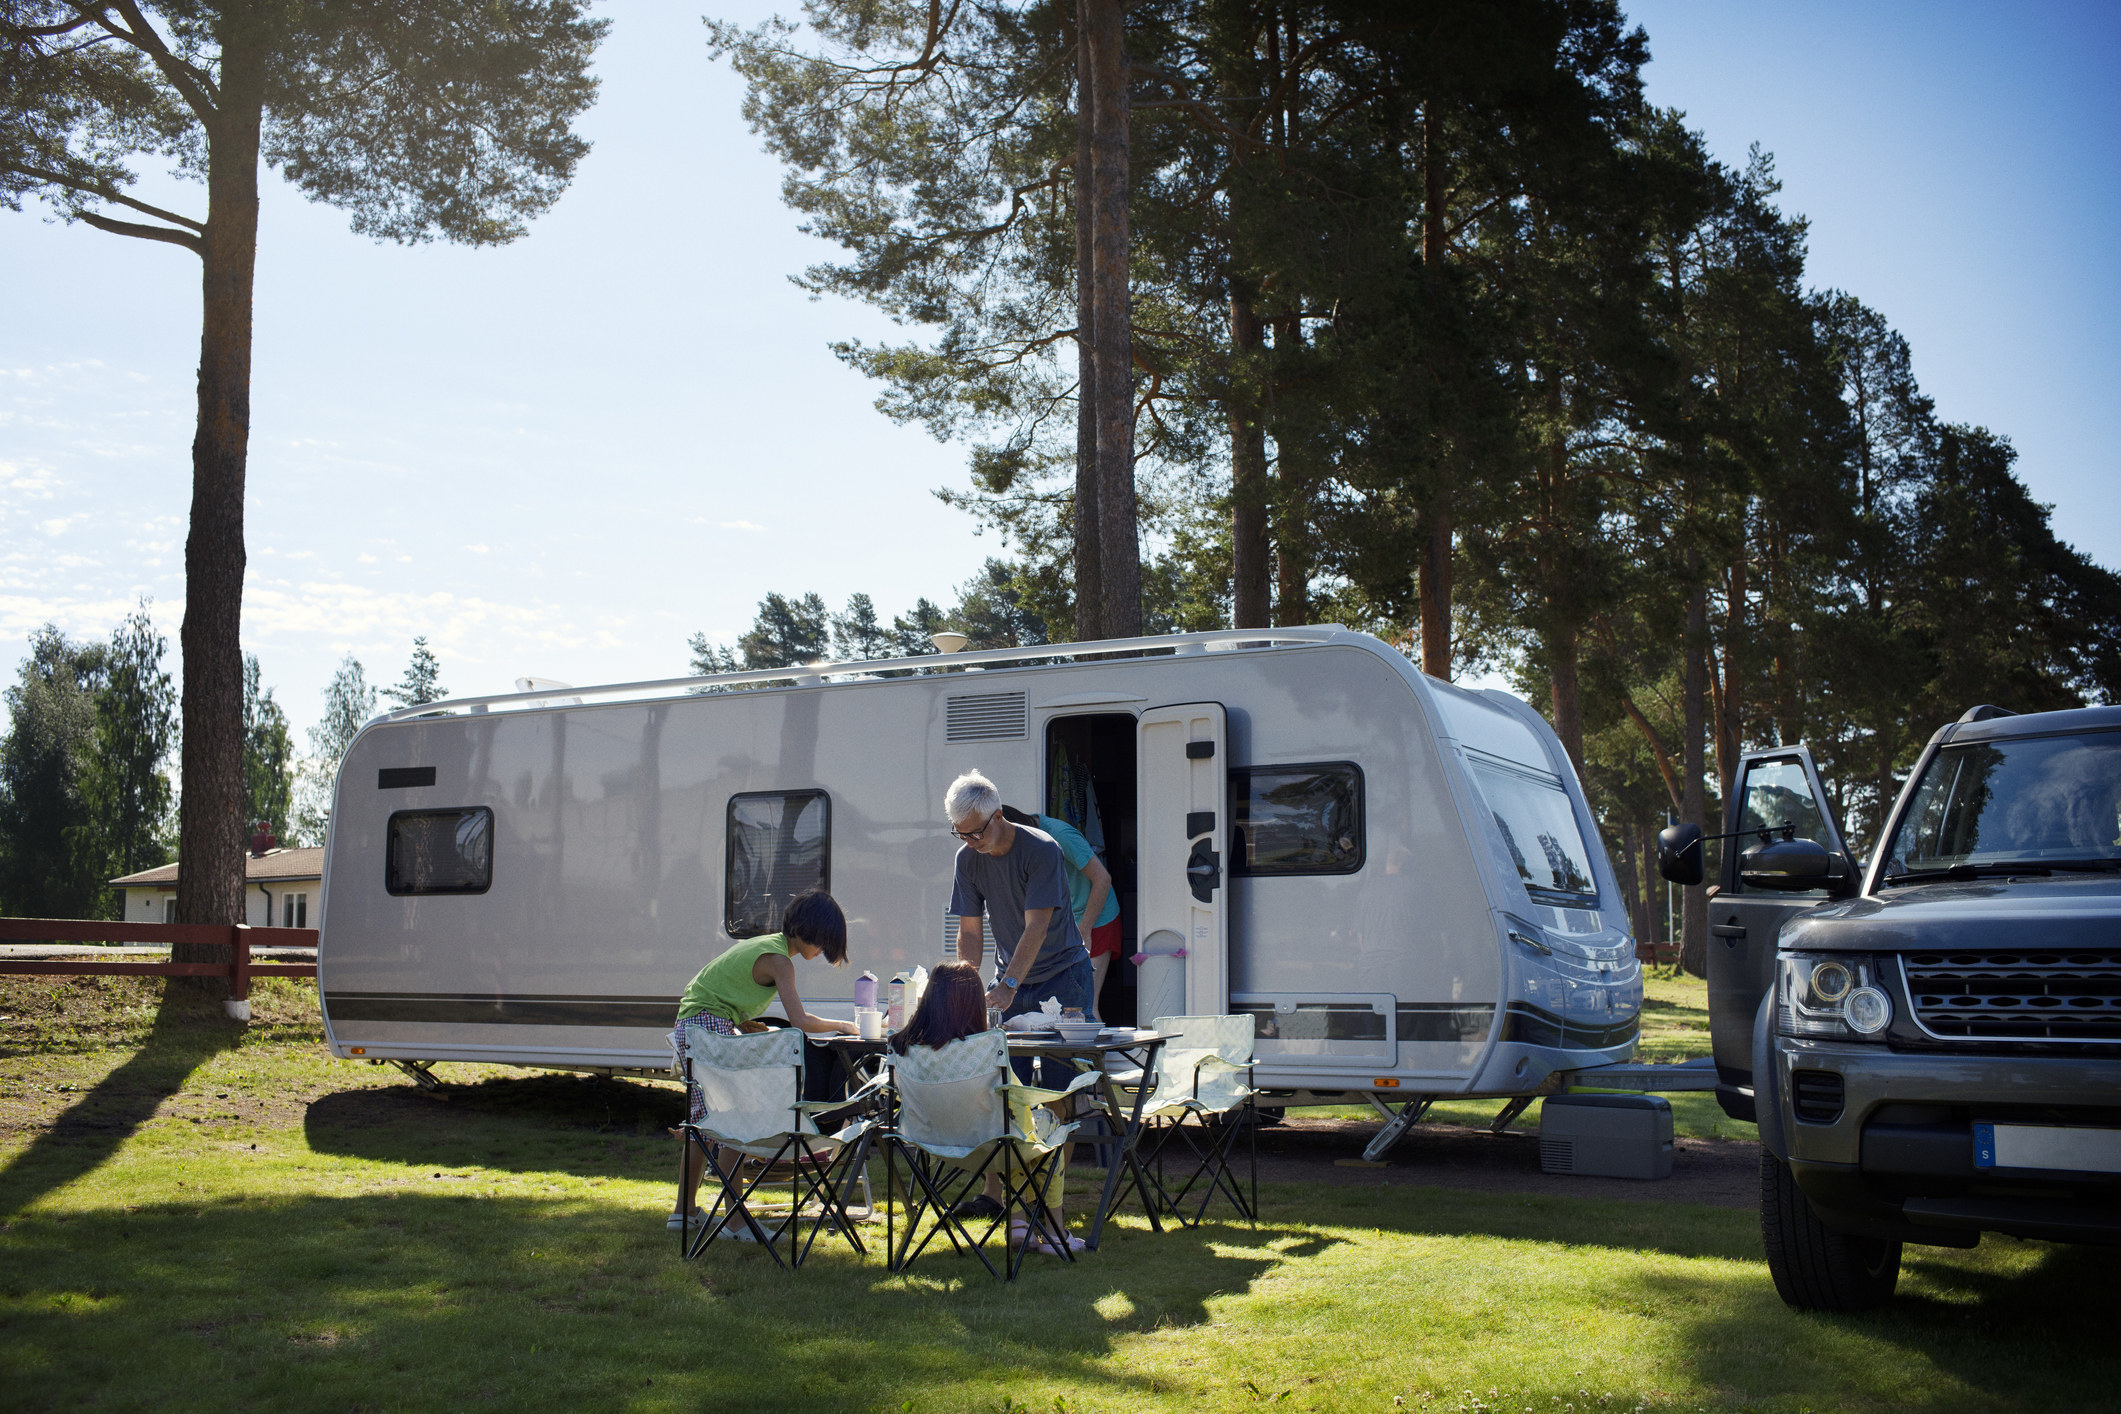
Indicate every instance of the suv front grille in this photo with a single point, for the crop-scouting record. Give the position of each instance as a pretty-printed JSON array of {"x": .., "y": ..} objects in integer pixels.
[{"x": 2027, "y": 994}]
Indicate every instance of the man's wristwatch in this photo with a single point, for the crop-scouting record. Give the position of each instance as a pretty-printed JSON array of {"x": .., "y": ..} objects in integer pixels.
[{"x": 1010, "y": 982}]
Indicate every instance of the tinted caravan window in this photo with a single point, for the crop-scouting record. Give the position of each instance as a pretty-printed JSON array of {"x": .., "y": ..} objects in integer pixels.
[
  {"x": 779, "y": 846},
  {"x": 1297, "y": 819},
  {"x": 439, "y": 852},
  {"x": 1538, "y": 824}
]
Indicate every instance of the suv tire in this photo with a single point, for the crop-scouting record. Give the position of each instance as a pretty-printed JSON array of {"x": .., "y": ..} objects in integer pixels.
[{"x": 1816, "y": 1268}]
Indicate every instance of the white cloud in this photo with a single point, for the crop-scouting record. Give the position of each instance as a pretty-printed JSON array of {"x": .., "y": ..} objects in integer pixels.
[{"x": 745, "y": 525}]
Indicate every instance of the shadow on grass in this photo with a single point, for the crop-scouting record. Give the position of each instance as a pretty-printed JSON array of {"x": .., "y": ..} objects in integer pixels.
[
  {"x": 424, "y": 1300},
  {"x": 188, "y": 1031},
  {"x": 589, "y": 1127},
  {"x": 2023, "y": 1326}
]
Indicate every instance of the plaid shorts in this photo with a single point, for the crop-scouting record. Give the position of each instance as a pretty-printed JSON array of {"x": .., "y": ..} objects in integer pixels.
[{"x": 713, "y": 1025}]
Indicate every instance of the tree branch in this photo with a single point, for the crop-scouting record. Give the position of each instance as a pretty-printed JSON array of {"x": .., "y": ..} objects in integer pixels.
[
  {"x": 146, "y": 233},
  {"x": 102, "y": 193},
  {"x": 198, "y": 89}
]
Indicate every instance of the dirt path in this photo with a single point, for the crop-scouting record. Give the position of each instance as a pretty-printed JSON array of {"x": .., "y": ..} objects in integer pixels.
[{"x": 1718, "y": 1173}]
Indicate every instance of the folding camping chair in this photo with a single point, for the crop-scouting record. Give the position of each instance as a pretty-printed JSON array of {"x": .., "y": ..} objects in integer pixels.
[
  {"x": 1202, "y": 1101},
  {"x": 961, "y": 1116},
  {"x": 753, "y": 1088}
]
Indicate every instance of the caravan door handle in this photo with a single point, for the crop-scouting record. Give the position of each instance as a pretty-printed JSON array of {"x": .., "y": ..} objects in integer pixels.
[
  {"x": 1204, "y": 871},
  {"x": 1729, "y": 932}
]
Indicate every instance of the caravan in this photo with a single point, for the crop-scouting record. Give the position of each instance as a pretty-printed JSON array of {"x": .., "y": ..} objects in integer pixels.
[{"x": 1398, "y": 879}]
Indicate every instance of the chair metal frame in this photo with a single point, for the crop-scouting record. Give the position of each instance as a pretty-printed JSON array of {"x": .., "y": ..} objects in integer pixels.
[
  {"x": 824, "y": 1170},
  {"x": 1209, "y": 1147},
  {"x": 938, "y": 1183}
]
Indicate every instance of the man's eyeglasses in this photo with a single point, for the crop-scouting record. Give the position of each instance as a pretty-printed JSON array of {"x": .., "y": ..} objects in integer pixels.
[{"x": 968, "y": 836}]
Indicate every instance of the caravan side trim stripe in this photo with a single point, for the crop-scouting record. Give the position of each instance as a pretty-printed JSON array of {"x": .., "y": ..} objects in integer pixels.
[
  {"x": 1536, "y": 1026},
  {"x": 455, "y": 1009}
]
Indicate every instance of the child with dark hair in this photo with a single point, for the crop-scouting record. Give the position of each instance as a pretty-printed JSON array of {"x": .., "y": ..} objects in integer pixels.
[
  {"x": 954, "y": 1005},
  {"x": 732, "y": 992}
]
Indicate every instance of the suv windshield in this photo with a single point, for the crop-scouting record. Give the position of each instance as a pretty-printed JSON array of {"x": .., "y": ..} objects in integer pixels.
[
  {"x": 1538, "y": 828},
  {"x": 2032, "y": 799}
]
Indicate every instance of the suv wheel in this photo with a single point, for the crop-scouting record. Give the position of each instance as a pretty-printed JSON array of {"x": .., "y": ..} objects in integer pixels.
[{"x": 1816, "y": 1268}]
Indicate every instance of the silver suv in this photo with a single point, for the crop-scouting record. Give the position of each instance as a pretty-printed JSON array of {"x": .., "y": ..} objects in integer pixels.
[{"x": 1930, "y": 1043}]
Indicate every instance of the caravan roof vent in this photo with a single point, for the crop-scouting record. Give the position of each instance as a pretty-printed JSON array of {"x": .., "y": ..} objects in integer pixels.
[{"x": 989, "y": 716}]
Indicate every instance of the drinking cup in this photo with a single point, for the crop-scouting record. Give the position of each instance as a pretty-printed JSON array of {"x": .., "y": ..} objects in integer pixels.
[{"x": 870, "y": 1023}]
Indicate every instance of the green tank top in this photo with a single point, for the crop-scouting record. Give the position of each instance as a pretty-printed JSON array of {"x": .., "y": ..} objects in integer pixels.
[{"x": 724, "y": 987}]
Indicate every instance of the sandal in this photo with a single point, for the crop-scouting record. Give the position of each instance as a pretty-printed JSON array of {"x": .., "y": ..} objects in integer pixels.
[{"x": 1020, "y": 1233}]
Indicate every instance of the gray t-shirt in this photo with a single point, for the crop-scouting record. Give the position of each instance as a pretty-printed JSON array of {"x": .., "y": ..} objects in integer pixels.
[{"x": 1033, "y": 874}]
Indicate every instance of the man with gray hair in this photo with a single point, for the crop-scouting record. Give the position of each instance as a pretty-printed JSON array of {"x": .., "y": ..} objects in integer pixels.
[{"x": 1018, "y": 876}]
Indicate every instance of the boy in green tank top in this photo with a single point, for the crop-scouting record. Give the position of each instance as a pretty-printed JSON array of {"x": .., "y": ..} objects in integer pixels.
[{"x": 737, "y": 987}]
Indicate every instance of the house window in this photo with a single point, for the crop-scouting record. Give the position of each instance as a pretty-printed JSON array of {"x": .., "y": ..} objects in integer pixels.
[
  {"x": 779, "y": 846},
  {"x": 295, "y": 910},
  {"x": 439, "y": 852},
  {"x": 1297, "y": 819}
]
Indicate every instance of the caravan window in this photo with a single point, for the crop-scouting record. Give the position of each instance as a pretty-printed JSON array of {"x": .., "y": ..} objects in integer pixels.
[
  {"x": 779, "y": 846},
  {"x": 1538, "y": 826},
  {"x": 439, "y": 852},
  {"x": 1297, "y": 819}
]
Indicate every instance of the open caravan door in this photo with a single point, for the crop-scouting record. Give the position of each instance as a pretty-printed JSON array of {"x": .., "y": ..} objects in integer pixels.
[{"x": 1182, "y": 774}]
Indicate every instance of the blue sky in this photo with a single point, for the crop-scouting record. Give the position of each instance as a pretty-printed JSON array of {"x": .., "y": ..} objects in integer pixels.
[{"x": 565, "y": 456}]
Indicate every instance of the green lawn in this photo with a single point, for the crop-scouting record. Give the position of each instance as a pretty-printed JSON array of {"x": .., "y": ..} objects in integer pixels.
[{"x": 192, "y": 1216}]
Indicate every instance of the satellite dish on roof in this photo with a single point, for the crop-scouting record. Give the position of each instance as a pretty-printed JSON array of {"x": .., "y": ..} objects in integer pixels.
[{"x": 948, "y": 642}]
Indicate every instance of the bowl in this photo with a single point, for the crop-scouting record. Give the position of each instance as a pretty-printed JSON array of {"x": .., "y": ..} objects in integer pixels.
[{"x": 1077, "y": 1033}]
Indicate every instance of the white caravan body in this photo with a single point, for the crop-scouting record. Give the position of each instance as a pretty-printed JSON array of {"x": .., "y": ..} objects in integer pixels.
[{"x": 1400, "y": 879}]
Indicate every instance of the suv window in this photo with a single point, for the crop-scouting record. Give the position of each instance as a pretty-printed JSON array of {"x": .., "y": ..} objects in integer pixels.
[{"x": 2014, "y": 799}]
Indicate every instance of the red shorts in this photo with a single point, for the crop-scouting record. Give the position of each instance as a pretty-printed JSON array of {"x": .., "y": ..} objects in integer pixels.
[{"x": 1104, "y": 939}]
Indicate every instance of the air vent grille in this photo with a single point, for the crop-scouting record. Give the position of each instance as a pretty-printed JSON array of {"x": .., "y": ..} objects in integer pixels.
[
  {"x": 2018, "y": 994},
  {"x": 989, "y": 716},
  {"x": 1816, "y": 1095}
]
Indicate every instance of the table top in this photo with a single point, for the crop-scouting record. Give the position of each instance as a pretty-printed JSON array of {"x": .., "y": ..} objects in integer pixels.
[{"x": 1020, "y": 1043}]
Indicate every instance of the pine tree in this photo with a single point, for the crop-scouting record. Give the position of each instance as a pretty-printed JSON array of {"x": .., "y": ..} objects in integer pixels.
[
  {"x": 422, "y": 681},
  {"x": 136, "y": 723},
  {"x": 45, "y": 818},
  {"x": 348, "y": 704},
  {"x": 856, "y": 634},
  {"x": 268, "y": 755},
  {"x": 787, "y": 633},
  {"x": 423, "y": 118}
]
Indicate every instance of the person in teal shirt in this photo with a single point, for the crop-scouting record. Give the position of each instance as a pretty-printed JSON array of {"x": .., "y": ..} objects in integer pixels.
[
  {"x": 736, "y": 988},
  {"x": 1090, "y": 893}
]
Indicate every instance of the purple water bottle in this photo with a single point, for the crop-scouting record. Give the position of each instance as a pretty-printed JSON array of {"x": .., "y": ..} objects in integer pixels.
[{"x": 865, "y": 991}]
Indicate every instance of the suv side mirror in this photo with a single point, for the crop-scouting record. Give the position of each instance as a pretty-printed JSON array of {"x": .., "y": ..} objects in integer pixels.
[
  {"x": 1679, "y": 854},
  {"x": 1790, "y": 865}
]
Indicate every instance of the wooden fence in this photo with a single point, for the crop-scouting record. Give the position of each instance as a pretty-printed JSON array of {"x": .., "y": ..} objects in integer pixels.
[{"x": 238, "y": 939}]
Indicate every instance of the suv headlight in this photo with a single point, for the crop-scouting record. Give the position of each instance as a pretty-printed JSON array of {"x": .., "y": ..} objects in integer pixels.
[{"x": 1835, "y": 995}]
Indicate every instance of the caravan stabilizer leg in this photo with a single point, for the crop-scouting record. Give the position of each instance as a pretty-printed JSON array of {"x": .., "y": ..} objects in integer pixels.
[
  {"x": 422, "y": 1073},
  {"x": 1510, "y": 1111},
  {"x": 1396, "y": 1125}
]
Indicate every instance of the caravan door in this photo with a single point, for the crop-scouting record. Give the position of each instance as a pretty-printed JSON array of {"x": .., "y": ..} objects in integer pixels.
[{"x": 1182, "y": 774}]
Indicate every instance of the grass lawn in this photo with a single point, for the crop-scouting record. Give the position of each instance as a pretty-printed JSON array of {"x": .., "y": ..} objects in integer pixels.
[{"x": 197, "y": 1216}]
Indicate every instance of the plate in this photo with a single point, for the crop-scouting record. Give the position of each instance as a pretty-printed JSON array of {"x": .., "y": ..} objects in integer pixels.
[{"x": 2062, "y": 1148}]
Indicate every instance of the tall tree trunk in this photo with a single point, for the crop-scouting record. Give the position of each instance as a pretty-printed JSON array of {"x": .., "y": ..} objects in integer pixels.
[
  {"x": 1562, "y": 653},
  {"x": 1119, "y": 547},
  {"x": 1730, "y": 715},
  {"x": 1292, "y": 503},
  {"x": 1089, "y": 561},
  {"x": 1249, "y": 546},
  {"x": 210, "y": 816},
  {"x": 1433, "y": 574},
  {"x": 1694, "y": 919}
]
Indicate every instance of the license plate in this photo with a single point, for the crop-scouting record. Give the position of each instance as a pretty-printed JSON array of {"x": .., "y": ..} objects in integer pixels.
[{"x": 2039, "y": 1146}]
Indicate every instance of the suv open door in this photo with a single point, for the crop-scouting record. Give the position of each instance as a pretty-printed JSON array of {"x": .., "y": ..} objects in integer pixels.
[{"x": 1776, "y": 788}]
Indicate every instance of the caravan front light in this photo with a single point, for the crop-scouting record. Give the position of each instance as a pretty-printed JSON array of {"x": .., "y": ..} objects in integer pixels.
[{"x": 1835, "y": 997}]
